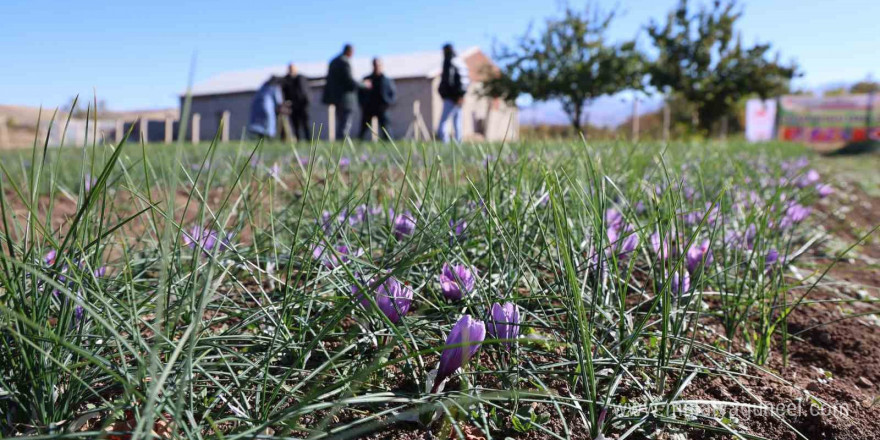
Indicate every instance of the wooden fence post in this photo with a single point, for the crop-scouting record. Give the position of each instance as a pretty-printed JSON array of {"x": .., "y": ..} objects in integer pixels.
[
  {"x": 331, "y": 122},
  {"x": 196, "y": 126},
  {"x": 169, "y": 130},
  {"x": 120, "y": 130},
  {"x": 144, "y": 132},
  {"x": 224, "y": 135},
  {"x": 4, "y": 132}
]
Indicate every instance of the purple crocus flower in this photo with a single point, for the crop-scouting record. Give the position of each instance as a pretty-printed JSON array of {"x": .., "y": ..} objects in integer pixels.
[
  {"x": 320, "y": 253},
  {"x": 613, "y": 219},
  {"x": 78, "y": 310},
  {"x": 794, "y": 214},
  {"x": 394, "y": 299},
  {"x": 458, "y": 228},
  {"x": 628, "y": 245},
  {"x": 49, "y": 258},
  {"x": 504, "y": 321},
  {"x": 771, "y": 259},
  {"x": 810, "y": 178},
  {"x": 204, "y": 238},
  {"x": 344, "y": 162},
  {"x": 681, "y": 282},
  {"x": 468, "y": 333},
  {"x": 698, "y": 255},
  {"x": 404, "y": 224},
  {"x": 275, "y": 171},
  {"x": 824, "y": 190},
  {"x": 456, "y": 281},
  {"x": 663, "y": 247},
  {"x": 89, "y": 182},
  {"x": 747, "y": 240}
]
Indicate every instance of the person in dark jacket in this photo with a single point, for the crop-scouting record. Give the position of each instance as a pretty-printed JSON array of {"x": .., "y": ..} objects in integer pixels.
[
  {"x": 295, "y": 89},
  {"x": 264, "y": 109},
  {"x": 341, "y": 91},
  {"x": 454, "y": 82},
  {"x": 379, "y": 94}
]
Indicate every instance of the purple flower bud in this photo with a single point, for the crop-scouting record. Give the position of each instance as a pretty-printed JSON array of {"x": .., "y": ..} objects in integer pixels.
[
  {"x": 795, "y": 213},
  {"x": 698, "y": 255},
  {"x": 78, "y": 312},
  {"x": 394, "y": 299},
  {"x": 661, "y": 246},
  {"x": 456, "y": 281},
  {"x": 504, "y": 321},
  {"x": 771, "y": 258},
  {"x": 748, "y": 238},
  {"x": 206, "y": 239},
  {"x": 404, "y": 224},
  {"x": 89, "y": 182},
  {"x": 810, "y": 178},
  {"x": 275, "y": 171},
  {"x": 326, "y": 257},
  {"x": 628, "y": 245},
  {"x": 681, "y": 282},
  {"x": 49, "y": 258},
  {"x": 640, "y": 207},
  {"x": 824, "y": 190},
  {"x": 458, "y": 228},
  {"x": 344, "y": 162},
  {"x": 467, "y": 332},
  {"x": 613, "y": 218}
]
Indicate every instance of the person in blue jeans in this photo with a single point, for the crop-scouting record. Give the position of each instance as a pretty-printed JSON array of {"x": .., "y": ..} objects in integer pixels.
[
  {"x": 453, "y": 86},
  {"x": 265, "y": 106}
]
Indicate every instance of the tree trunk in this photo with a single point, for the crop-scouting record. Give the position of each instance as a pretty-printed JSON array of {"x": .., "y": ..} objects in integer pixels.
[{"x": 576, "y": 120}]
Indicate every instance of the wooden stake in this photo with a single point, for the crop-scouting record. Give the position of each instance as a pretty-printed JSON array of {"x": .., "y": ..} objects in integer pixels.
[
  {"x": 224, "y": 135},
  {"x": 4, "y": 132},
  {"x": 331, "y": 122},
  {"x": 169, "y": 130},
  {"x": 196, "y": 127},
  {"x": 120, "y": 130}
]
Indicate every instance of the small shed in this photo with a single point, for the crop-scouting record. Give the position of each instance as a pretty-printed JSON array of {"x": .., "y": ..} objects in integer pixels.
[{"x": 415, "y": 115}]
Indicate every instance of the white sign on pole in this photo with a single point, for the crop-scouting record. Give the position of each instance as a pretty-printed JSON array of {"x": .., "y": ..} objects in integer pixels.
[{"x": 760, "y": 120}]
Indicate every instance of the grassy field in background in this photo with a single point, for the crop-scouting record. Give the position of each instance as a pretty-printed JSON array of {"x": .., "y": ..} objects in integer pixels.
[{"x": 245, "y": 289}]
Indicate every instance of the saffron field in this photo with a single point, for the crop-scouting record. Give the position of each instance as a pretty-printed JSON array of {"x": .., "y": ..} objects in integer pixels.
[{"x": 563, "y": 289}]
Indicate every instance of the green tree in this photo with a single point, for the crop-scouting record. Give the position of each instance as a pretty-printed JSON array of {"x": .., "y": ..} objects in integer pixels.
[
  {"x": 865, "y": 87},
  {"x": 702, "y": 59},
  {"x": 570, "y": 60}
]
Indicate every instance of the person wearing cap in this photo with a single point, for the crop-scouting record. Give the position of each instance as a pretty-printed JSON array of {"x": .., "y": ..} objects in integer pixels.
[{"x": 454, "y": 82}]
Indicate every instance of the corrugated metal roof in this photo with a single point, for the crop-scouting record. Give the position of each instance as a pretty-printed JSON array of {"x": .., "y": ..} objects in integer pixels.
[{"x": 411, "y": 65}]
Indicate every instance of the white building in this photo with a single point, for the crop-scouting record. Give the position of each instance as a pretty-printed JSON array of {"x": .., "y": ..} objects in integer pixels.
[{"x": 416, "y": 75}]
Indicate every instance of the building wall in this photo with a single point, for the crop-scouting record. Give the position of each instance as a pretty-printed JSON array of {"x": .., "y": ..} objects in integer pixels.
[{"x": 491, "y": 116}]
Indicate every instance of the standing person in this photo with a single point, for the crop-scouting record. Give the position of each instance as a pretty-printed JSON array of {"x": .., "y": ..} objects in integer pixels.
[
  {"x": 453, "y": 86},
  {"x": 341, "y": 90},
  {"x": 267, "y": 102},
  {"x": 295, "y": 89},
  {"x": 380, "y": 94}
]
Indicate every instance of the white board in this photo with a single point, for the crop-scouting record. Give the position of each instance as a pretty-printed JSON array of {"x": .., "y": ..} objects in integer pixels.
[{"x": 760, "y": 120}]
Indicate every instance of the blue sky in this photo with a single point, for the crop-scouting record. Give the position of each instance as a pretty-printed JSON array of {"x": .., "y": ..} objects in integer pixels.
[{"x": 137, "y": 55}]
